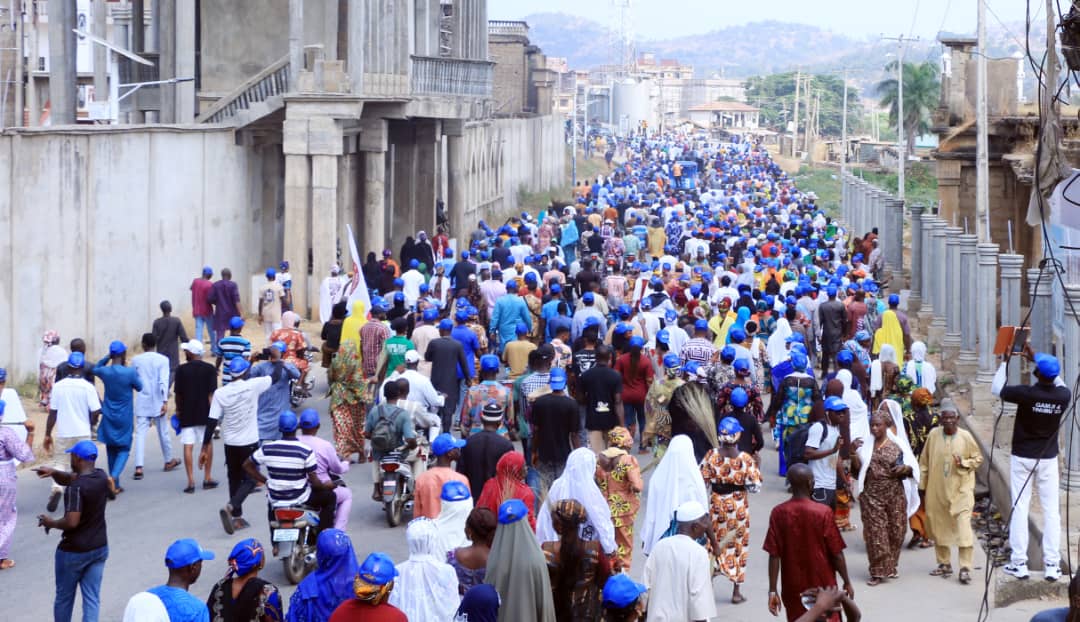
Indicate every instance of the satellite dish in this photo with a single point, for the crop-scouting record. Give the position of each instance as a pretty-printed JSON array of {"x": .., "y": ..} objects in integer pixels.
[{"x": 122, "y": 52}]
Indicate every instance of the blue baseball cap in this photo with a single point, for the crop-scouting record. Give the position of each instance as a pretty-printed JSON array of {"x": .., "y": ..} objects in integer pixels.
[
  {"x": 185, "y": 552},
  {"x": 845, "y": 357},
  {"x": 795, "y": 338},
  {"x": 279, "y": 346},
  {"x": 287, "y": 421},
  {"x": 489, "y": 362},
  {"x": 430, "y": 314},
  {"x": 625, "y": 311},
  {"x": 238, "y": 366},
  {"x": 521, "y": 328},
  {"x": 557, "y": 381},
  {"x": 727, "y": 355},
  {"x": 555, "y": 288},
  {"x": 1047, "y": 366},
  {"x": 414, "y": 263},
  {"x": 833, "y": 403},
  {"x": 737, "y": 335},
  {"x": 377, "y": 569},
  {"x": 701, "y": 325},
  {"x": 862, "y": 335},
  {"x": 399, "y": 282},
  {"x": 445, "y": 443},
  {"x": 592, "y": 321},
  {"x": 455, "y": 490},
  {"x": 3, "y": 374},
  {"x": 236, "y": 322},
  {"x": 512, "y": 511},
  {"x": 739, "y": 397},
  {"x": 831, "y": 291},
  {"x": 622, "y": 328},
  {"x": 207, "y": 270},
  {"x": 76, "y": 360},
  {"x": 671, "y": 360},
  {"x": 621, "y": 591},
  {"x": 637, "y": 342},
  {"x": 894, "y": 300},
  {"x": 742, "y": 366},
  {"x": 798, "y": 360},
  {"x": 117, "y": 348},
  {"x": 399, "y": 297},
  {"x": 446, "y": 324},
  {"x": 309, "y": 419},
  {"x": 462, "y": 314},
  {"x": 84, "y": 449},
  {"x": 671, "y": 315},
  {"x": 588, "y": 298},
  {"x": 663, "y": 336},
  {"x": 271, "y": 273},
  {"x": 729, "y": 425}
]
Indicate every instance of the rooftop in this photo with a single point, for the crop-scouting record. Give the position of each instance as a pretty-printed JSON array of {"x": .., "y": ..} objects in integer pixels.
[{"x": 724, "y": 107}]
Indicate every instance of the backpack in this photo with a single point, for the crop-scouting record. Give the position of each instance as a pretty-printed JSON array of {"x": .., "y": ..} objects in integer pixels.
[
  {"x": 383, "y": 434},
  {"x": 795, "y": 443}
]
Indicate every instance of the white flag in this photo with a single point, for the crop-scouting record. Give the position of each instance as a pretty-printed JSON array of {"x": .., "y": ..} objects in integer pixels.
[{"x": 357, "y": 287}]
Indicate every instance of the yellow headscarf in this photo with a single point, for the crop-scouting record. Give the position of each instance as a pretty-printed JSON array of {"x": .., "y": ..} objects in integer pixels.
[
  {"x": 350, "y": 328},
  {"x": 890, "y": 332}
]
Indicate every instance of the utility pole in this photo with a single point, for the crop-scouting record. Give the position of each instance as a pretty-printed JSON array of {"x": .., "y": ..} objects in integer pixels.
[
  {"x": 573, "y": 139},
  {"x": 809, "y": 112},
  {"x": 843, "y": 136},
  {"x": 795, "y": 115},
  {"x": 982, "y": 144},
  {"x": 901, "y": 145}
]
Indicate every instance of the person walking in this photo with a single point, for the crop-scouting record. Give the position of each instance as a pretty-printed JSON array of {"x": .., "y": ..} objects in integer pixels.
[
  {"x": 84, "y": 544},
  {"x": 242, "y": 594},
  {"x": 833, "y": 322},
  {"x": 577, "y": 568},
  {"x": 13, "y": 449},
  {"x": 117, "y": 412},
  {"x": 184, "y": 559},
  {"x": 196, "y": 381},
  {"x": 150, "y": 403},
  {"x": 1034, "y": 461},
  {"x": 225, "y": 297},
  {"x": 271, "y": 303},
  {"x": 169, "y": 334},
  {"x": 805, "y": 545},
  {"x": 602, "y": 389},
  {"x": 201, "y": 309},
  {"x": 347, "y": 410},
  {"x": 947, "y": 469},
  {"x": 275, "y": 400},
  {"x": 449, "y": 368},
  {"x": 678, "y": 573},
  {"x": 235, "y": 408},
  {"x": 483, "y": 450},
  {"x": 74, "y": 409},
  {"x": 556, "y": 429},
  {"x": 618, "y": 476},
  {"x": 516, "y": 565},
  {"x": 234, "y": 345},
  {"x": 508, "y": 483},
  {"x": 429, "y": 484}
]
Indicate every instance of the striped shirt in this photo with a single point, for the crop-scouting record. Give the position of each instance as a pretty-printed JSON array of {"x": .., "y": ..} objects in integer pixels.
[
  {"x": 232, "y": 346},
  {"x": 698, "y": 349},
  {"x": 287, "y": 463}
]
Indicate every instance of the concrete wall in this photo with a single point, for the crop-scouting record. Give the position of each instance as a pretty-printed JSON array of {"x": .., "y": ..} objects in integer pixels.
[
  {"x": 98, "y": 225},
  {"x": 511, "y": 73}
]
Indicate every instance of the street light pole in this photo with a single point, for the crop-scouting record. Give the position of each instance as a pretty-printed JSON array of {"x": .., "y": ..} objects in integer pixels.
[
  {"x": 901, "y": 146},
  {"x": 843, "y": 135},
  {"x": 573, "y": 139},
  {"x": 982, "y": 143}
]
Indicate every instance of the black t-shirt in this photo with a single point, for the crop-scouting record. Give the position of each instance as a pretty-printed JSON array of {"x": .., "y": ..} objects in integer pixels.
[
  {"x": 87, "y": 495},
  {"x": 586, "y": 277},
  {"x": 555, "y": 418},
  {"x": 1039, "y": 408},
  {"x": 196, "y": 381},
  {"x": 583, "y": 361},
  {"x": 479, "y": 457},
  {"x": 600, "y": 385}
]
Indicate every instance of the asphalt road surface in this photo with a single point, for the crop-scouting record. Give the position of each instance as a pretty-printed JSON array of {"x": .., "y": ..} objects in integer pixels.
[{"x": 153, "y": 512}]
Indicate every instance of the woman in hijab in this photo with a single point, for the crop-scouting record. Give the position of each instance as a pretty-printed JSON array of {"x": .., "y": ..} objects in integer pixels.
[
  {"x": 350, "y": 327},
  {"x": 408, "y": 251},
  {"x": 741, "y": 318},
  {"x": 51, "y": 357},
  {"x": 577, "y": 482},
  {"x": 619, "y": 478},
  {"x": 858, "y": 427},
  {"x": 578, "y": 569},
  {"x": 372, "y": 587},
  {"x": 921, "y": 370},
  {"x": 480, "y": 604},
  {"x": 776, "y": 347},
  {"x": 517, "y": 566},
  {"x": 426, "y": 587},
  {"x": 470, "y": 560},
  {"x": 883, "y": 374},
  {"x": 371, "y": 272},
  {"x": 456, "y": 503},
  {"x": 241, "y": 596},
  {"x": 347, "y": 410},
  {"x": 508, "y": 483},
  {"x": 676, "y": 480},
  {"x": 331, "y": 584}
]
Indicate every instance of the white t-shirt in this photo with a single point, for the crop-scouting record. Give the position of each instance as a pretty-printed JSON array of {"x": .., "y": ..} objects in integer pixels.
[
  {"x": 413, "y": 279},
  {"x": 236, "y": 406},
  {"x": 73, "y": 399},
  {"x": 824, "y": 469},
  {"x": 677, "y": 573}
]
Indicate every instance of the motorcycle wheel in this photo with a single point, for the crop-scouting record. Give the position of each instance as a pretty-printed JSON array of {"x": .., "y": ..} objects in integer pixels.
[
  {"x": 296, "y": 568},
  {"x": 296, "y": 399},
  {"x": 394, "y": 510}
]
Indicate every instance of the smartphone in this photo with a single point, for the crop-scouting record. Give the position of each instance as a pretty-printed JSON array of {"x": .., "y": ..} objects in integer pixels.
[{"x": 1020, "y": 338}]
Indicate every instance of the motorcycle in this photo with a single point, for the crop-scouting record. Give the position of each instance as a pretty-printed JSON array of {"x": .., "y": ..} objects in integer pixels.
[
  {"x": 298, "y": 392},
  {"x": 398, "y": 482},
  {"x": 294, "y": 531}
]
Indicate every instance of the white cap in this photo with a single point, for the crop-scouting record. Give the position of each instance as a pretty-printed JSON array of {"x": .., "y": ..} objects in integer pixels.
[
  {"x": 194, "y": 346},
  {"x": 689, "y": 511},
  {"x": 412, "y": 356}
]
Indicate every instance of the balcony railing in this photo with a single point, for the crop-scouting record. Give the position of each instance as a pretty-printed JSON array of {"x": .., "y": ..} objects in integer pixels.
[
  {"x": 451, "y": 76},
  {"x": 508, "y": 27},
  {"x": 271, "y": 81}
]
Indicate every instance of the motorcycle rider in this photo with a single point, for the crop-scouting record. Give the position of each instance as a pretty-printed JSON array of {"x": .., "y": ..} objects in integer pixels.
[
  {"x": 402, "y": 432},
  {"x": 291, "y": 478},
  {"x": 328, "y": 465}
]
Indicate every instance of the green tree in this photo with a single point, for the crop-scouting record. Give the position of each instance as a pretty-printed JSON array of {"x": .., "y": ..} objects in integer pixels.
[
  {"x": 921, "y": 93},
  {"x": 775, "y": 95}
]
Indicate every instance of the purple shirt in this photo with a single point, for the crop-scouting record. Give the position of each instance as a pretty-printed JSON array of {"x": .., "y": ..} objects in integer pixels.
[
  {"x": 327, "y": 462},
  {"x": 225, "y": 296}
]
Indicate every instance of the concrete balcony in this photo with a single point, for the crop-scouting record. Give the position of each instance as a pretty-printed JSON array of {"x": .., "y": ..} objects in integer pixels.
[
  {"x": 510, "y": 28},
  {"x": 453, "y": 77}
]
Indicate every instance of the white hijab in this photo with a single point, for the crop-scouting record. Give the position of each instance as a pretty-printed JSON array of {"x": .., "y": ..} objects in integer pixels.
[
  {"x": 776, "y": 347},
  {"x": 887, "y": 355},
  {"x": 929, "y": 372},
  {"x": 450, "y": 524},
  {"x": 911, "y": 484},
  {"x": 426, "y": 587},
  {"x": 578, "y": 482},
  {"x": 676, "y": 480},
  {"x": 860, "y": 414}
]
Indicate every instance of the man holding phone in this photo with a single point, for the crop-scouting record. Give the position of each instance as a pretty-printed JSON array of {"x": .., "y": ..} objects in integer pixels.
[{"x": 1034, "y": 464}]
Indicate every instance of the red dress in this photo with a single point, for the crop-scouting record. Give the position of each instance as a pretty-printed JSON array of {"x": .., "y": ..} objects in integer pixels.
[{"x": 803, "y": 534}]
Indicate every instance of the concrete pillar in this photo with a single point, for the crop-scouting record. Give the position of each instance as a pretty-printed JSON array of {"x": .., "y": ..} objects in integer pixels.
[
  {"x": 99, "y": 12},
  {"x": 296, "y": 41},
  {"x": 298, "y": 224},
  {"x": 427, "y": 138},
  {"x": 1070, "y": 477},
  {"x": 1040, "y": 293},
  {"x": 1011, "y": 273},
  {"x": 375, "y": 201},
  {"x": 184, "y": 40},
  {"x": 967, "y": 362},
  {"x": 165, "y": 27},
  {"x": 138, "y": 45},
  {"x": 916, "y": 282},
  {"x": 986, "y": 310},
  {"x": 324, "y": 230},
  {"x": 62, "y": 81},
  {"x": 898, "y": 244},
  {"x": 950, "y": 345},
  {"x": 936, "y": 330},
  {"x": 456, "y": 205}
]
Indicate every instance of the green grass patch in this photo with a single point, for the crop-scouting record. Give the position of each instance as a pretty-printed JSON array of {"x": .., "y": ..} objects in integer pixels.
[{"x": 920, "y": 184}]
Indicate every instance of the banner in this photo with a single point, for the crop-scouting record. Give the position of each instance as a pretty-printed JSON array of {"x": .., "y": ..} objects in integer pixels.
[{"x": 357, "y": 288}]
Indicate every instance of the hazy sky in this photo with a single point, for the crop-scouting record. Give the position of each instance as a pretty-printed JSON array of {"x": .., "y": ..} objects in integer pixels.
[{"x": 659, "y": 19}]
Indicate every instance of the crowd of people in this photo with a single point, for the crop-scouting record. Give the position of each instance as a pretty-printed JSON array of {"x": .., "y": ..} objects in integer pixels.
[{"x": 698, "y": 322}]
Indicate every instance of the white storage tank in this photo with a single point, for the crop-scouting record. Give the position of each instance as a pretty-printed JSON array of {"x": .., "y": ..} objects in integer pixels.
[{"x": 632, "y": 104}]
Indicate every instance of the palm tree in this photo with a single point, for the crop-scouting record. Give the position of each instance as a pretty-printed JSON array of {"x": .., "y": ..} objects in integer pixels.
[{"x": 921, "y": 93}]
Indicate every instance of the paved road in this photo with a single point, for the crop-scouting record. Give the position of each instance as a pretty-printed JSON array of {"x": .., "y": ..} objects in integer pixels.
[{"x": 153, "y": 512}]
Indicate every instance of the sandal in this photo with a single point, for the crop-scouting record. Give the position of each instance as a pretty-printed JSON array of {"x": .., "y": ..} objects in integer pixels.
[
  {"x": 138, "y": 474},
  {"x": 7, "y": 564},
  {"x": 943, "y": 570},
  {"x": 965, "y": 576},
  {"x": 895, "y": 575},
  {"x": 171, "y": 464},
  {"x": 926, "y": 544},
  {"x": 190, "y": 490},
  {"x": 210, "y": 484},
  {"x": 874, "y": 581}
]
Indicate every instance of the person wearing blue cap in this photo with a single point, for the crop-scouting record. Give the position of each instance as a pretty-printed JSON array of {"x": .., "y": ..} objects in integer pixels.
[
  {"x": 74, "y": 409},
  {"x": 231, "y": 346},
  {"x": 291, "y": 473},
  {"x": 833, "y": 320},
  {"x": 184, "y": 560},
  {"x": 459, "y": 274},
  {"x": 517, "y": 566},
  {"x": 225, "y": 297},
  {"x": 621, "y": 599},
  {"x": 508, "y": 312},
  {"x": 117, "y": 408},
  {"x": 372, "y": 588},
  {"x": 274, "y": 400},
  {"x": 699, "y": 348},
  {"x": 411, "y": 280},
  {"x": 516, "y": 353},
  {"x": 328, "y": 465},
  {"x": 429, "y": 484},
  {"x": 586, "y": 311},
  {"x": 84, "y": 545},
  {"x": 242, "y": 594},
  {"x": 796, "y": 402},
  {"x": 1034, "y": 461},
  {"x": 271, "y": 302},
  {"x": 451, "y": 370}
]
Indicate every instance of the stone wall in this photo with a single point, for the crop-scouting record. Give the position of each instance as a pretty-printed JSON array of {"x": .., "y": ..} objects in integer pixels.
[
  {"x": 511, "y": 74},
  {"x": 99, "y": 224}
]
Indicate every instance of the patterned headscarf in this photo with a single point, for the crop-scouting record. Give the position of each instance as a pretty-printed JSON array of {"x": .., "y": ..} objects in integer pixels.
[
  {"x": 904, "y": 384},
  {"x": 371, "y": 593},
  {"x": 570, "y": 511},
  {"x": 620, "y": 437},
  {"x": 921, "y": 397},
  {"x": 246, "y": 556}
]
